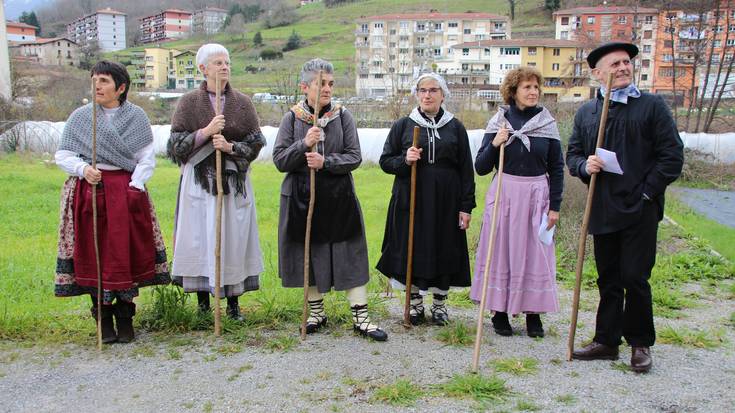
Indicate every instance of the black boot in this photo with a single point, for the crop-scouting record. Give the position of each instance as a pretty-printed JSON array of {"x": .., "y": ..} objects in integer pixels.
[
  {"x": 501, "y": 325},
  {"x": 233, "y": 309},
  {"x": 124, "y": 313},
  {"x": 108, "y": 329},
  {"x": 203, "y": 301},
  {"x": 317, "y": 319},
  {"x": 534, "y": 328},
  {"x": 361, "y": 324},
  {"x": 416, "y": 309},
  {"x": 439, "y": 314}
]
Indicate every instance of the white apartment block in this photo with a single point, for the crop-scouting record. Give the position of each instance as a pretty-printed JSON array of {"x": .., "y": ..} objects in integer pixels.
[
  {"x": 106, "y": 27},
  {"x": 475, "y": 64},
  {"x": 208, "y": 20},
  {"x": 391, "y": 50}
]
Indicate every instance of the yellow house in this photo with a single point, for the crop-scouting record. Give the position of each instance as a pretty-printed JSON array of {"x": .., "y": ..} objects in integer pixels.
[
  {"x": 185, "y": 74},
  {"x": 561, "y": 64},
  {"x": 159, "y": 62}
]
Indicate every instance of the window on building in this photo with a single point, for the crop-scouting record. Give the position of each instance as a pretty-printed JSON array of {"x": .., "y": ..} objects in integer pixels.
[
  {"x": 510, "y": 50},
  {"x": 646, "y": 48},
  {"x": 420, "y": 40},
  {"x": 645, "y": 63},
  {"x": 565, "y": 21},
  {"x": 644, "y": 77},
  {"x": 621, "y": 34},
  {"x": 363, "y": 76},
  {"x": 623, "y": 20},
  {"x": 532, "y": 64},
  {"x": 467, "y": 31},
  {"x": 648, "y": 34},
  {"x": 731, "y": 28},
  {"x": 437, "y": 52},
  {"x": 420, "y": 27},
  {"x": 364, "y": 28},
  {"x": 668, "y": 44},
  {"x": 437, "y": 26},
  {"x": 452, "y": 25},
  {"x": 465, "y": 80},
  {"x": 667, "y": 58},
  {"x": 465, "y": 67},
  {"x": 499, "y": 26},
  {"x": 392, "y": 45},
  {"x": 591, "y": 34},
  {"x": 465, "y": 52},
  {"x": 556, "y": 51},
  {"x": 648, "y": 19},
  {"x": 564, "y": 35},
  {"x": 392, "y": 32},
  {"x": 377, "y": 63},
  {"x": 487, "y": 52},
  {"x": 378, "y": 25},
  {"x": 731, "y": 42},
  {"x": 532, "y": 51},
  {"x": 717, "y": 43},
  {"x": 378, "y": 76},
  {"x": 403, "y": 25},
  {"x": 591, "y": 20},
  {"x": 555, "y": 66}
]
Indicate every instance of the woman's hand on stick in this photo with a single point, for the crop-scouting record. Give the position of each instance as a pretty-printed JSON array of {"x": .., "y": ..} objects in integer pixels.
[
  {"x": 220, "y": 143},
  {"x": 413, "y": 155},
  {"x": 312, "y": 136},
  {"x": 314, "y": 160},
  {"x": 215, "y": 126},
  {"x": 92, "y": 175}
]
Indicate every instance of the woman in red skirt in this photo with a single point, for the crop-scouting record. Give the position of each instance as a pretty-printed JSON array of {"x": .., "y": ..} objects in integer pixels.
[{"x": 131, "y": 248}]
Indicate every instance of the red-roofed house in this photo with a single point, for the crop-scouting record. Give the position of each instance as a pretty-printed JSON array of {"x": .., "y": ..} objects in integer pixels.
[
  {"x": 167, "y": 25},
  {"x": 59, "y": 51},
  {"x": 20, "y": 32}
]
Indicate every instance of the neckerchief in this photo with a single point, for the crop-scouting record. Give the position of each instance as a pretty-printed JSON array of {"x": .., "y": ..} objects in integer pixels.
[
  {"x": 543, "y": 125},
  {"x": 432, "y": 129},
  {"x": 621, "y": 95}
]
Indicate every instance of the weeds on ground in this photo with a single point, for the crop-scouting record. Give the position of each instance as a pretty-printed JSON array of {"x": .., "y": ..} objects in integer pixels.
[
  {"x": 477, "y": 387},
  {"x": 401, "y": 393},
  {"x": 460, "y": 299},
  {"x": 620, "y": 366},
  {"x": 456, "y": 334},
  {"x": 527, "y": 406},
  {"x": 516, "y": 366},
  {"x": 732, "y": 319},
  {"x": 567, "y": 399},
  {"x": 686, "y": 337},
  {"x": 283, "y": 343}
]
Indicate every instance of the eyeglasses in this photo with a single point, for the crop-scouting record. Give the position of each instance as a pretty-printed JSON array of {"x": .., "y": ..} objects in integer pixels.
[{"x": 431, "y": 90}]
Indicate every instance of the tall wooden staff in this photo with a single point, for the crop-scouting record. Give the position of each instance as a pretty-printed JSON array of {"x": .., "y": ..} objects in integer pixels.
[
  {"x": 585, "y": 224},
  {"x": 409, "y": 255},
  {"x": 218, "y": 219},
  {"x": 486, "y": 273},
  {"x": 310, "y": 214},
  {"x": 94, "y": 217}
]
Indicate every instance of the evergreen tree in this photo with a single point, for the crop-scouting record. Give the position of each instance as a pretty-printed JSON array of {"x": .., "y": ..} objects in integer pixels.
[
  {"x": 294, "y": 42},
  {"x": 258, "y": 39},
  {"x": 30, "y": 18}
]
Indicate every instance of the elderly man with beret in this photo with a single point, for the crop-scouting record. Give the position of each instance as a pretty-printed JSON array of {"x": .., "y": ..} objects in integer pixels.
[{"x": 626, "y": 207}]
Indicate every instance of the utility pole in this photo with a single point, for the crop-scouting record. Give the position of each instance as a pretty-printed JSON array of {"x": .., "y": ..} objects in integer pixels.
[{"x": 6, "y": 91}]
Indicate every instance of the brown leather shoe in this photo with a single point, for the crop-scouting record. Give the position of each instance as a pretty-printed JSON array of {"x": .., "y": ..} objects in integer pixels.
[
  {"x": 596, "y": 351},
  {"x": 640, "y": 359}
]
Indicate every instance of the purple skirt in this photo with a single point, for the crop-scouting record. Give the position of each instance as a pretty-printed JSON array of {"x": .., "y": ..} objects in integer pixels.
[{"x": 522, "y": 268}]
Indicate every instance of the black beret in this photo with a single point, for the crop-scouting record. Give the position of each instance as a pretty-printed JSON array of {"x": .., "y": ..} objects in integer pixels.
[{"x": 606, "y": 48}]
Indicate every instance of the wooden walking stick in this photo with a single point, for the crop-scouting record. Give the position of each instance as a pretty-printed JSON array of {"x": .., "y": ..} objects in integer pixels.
[
  {"x": 585, "y": 224},
  {"x": 218, "y": 219},
  {"x": 486, "y": 273},
  {"x": 411, "y": 215},
  {"x": 310, "y": 214},
  {"x": 94, "y": 218}
]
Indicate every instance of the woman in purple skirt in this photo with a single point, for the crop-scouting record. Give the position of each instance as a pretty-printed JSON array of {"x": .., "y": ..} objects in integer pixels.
[{"x": 523, "y": 265}]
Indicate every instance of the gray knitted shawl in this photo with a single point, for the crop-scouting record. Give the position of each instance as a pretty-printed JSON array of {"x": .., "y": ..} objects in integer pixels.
[{"x": 118, "y": 140}]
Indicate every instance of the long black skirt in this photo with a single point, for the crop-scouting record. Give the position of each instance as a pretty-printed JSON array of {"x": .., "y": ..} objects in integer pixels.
[{"x": 440, "y": 256}]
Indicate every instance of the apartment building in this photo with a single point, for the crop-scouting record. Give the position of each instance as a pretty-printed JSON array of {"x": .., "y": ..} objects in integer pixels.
[
  {"x": 20, "y": 32},
  {"x": 390, "y": 50},
  {"x": 106, "y": 27},
  {"x": 59, "y": 51},
  {"x": 164, "y": 26},
  {"x": 592, "y": 26},
  {"x": 185, "y": 74},
  {"x": 482, "y": 66},
  {"x": 150, "y": 69},
  {"x": 208, "y": 20}
]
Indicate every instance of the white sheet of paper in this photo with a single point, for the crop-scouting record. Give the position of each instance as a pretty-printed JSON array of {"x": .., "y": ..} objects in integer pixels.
[
  {"x": 546, "y": 237},
  {"x": 611, "y": 161}
]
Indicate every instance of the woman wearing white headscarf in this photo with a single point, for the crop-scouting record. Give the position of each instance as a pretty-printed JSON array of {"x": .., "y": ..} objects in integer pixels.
[
  {"x": 195, "y": 135},
  {"x": 445, "y": 197}
]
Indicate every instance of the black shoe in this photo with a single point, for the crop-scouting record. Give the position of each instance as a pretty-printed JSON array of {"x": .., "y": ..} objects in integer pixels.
[
  {"x": 317, "y": 318},
  {"x": 501, "y": 325},
  {"x": 362, "y": 325},
  {"x": 203, "y": 301},
  {"x": 416, "y": 315},
  {"x": 233, "y": 309},
  {"x": 124, "y": 313},
  {"x": 534, "y": 328},
  {"x": 439, "y": 316},
  {"x": 109, "y": 335}
]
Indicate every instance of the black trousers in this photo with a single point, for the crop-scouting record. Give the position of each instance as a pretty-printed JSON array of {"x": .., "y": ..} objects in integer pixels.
[{"x": 624, "y": 262}]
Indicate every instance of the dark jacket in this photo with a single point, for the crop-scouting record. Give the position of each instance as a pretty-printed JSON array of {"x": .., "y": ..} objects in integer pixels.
[{"x": 644, "y": 136}]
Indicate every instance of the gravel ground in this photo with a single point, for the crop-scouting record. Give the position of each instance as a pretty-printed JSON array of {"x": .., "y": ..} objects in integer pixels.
[
  {"x": 338, "y": 371},
  {"x": 718, "y": 206}
]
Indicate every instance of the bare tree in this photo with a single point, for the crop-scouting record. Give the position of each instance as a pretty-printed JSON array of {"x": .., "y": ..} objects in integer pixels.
[
  {"x": 671, "y": 17},
  {"x": 714, "y": 101},
  {"x": 697, "y": 47},
  {"x": 710, "y": 57}
]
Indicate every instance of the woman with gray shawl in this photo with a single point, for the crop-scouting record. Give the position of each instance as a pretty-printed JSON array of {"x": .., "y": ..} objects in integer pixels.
[
  {"x": 195, "y": 135},
  {"x": 131, "y": 249},
  {"x": 445, "y": 197},
  {"x": 523, "y": 265}
]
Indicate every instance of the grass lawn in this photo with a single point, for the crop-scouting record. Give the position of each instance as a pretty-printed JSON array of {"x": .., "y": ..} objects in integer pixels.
[
  {"x": 29, "y": 312},
  {"x": 719, "y": 236}
]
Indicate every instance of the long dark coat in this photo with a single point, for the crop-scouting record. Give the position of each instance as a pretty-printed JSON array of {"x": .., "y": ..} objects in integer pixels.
[
  {"x": 645, "y": 139},
  {"x": 443, "y": 189},
  {"x": 342, "y": 264}
]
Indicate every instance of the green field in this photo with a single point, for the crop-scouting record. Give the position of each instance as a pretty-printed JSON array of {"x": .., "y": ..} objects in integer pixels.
[
  {"x": 29, "y": 312},
  {"x": 329, "y": 33}
]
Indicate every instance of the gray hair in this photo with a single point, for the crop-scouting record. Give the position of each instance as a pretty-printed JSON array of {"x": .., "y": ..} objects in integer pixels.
[
  {"x": 440, "y": 80},
  {"x": 312, "y": 67},
  {"x": 208, "y": 50}
]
